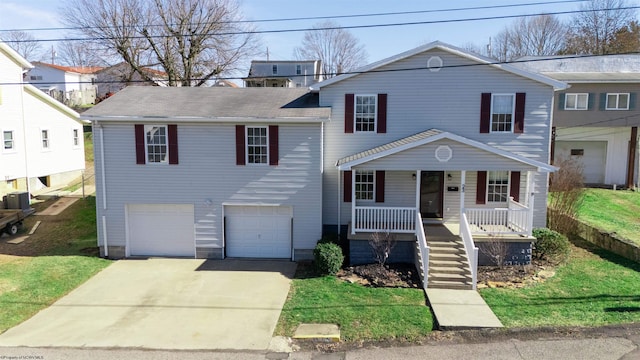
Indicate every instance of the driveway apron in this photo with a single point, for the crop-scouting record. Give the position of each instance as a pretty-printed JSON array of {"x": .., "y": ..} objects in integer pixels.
[{"x": 165, "y": 304}]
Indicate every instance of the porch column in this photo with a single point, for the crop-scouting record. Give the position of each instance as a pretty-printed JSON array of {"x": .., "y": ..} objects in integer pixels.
[
  {"x": 353, "y": 201},
  {"x": 418, "y": 179},
  {"x": 463, "y": 179},
  {"x": 530, "y": 202}
]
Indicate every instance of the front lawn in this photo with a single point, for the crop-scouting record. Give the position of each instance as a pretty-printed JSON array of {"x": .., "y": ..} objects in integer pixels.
[
  {"x": 612, "y": 211},
  {"x": 363, "y": 313},
  {"x": 55, "y": 260},
  {"x": 594, "y": 288}
]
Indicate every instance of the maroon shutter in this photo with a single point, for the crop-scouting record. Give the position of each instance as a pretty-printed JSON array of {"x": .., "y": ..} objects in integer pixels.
[
  {"x": 173, "y": 144},
  {"x": 382, "y": 114},
  {"x": 348, "y": 113},
  {"x": 481, "y": 188},
  {"x": 485, "y": 112},
  {"x": 379, "y": 186},
  {"x": 518, "y": 125},
  {"x": 140, "y": 153},
  {"x": 240, "y": 147},
  {"x": 515, "y": 186},
  {"x": 346, "y": 179},
  {"x": 273, "y": 145}
]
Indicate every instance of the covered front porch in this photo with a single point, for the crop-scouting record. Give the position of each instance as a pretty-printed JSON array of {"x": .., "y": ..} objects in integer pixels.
[{"x": 478, "y": 192}]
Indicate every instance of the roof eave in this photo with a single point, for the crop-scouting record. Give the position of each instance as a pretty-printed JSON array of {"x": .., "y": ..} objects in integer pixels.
[{"x": 195, "y": 119}]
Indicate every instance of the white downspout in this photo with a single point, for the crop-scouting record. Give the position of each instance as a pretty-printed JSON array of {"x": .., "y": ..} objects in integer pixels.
[
  {"x": 463, "y": 180},
  {"x": 24, "y": 140},
  {"x": 339, "y": 204},
  {"x": 104, "y": 188},
  {"x": 353, "y": 201}
]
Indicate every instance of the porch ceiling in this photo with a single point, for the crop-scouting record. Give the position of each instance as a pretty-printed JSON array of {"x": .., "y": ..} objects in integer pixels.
[{"x": 442, "y": 150}]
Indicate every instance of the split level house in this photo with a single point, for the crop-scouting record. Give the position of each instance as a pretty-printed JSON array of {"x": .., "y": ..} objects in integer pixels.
[
  {"x": 42, "y": 139},
  {"x": 596, "y": 120},
  {"x": 428, "y": 140}
]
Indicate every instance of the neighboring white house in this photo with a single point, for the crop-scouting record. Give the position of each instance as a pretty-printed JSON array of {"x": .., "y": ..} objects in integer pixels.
[
  {"x": 42, "y": 139},
  {"x": 71, "y": 85},
  {"x": 434, "y": 135},
  {"x": 284, "y": 73},
  {"x": 596, "y": 120}
]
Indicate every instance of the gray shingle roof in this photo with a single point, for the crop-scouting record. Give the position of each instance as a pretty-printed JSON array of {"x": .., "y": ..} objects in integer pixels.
[
  {"x": 210, "y": 103},
  {"x": 392, "y": 145}
]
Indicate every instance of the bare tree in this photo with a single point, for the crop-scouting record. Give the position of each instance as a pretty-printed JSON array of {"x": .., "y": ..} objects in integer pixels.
[
  {"x": 594, "y": 30},
  {"x": 337, "y": 48},
  {"x": 80, "y": 53},
  {"x": 24, "y": 44},
  {"x": 192, "y": 41},
  {"x": 537, "y": 36},
  {"x": 381, "y": 245}
]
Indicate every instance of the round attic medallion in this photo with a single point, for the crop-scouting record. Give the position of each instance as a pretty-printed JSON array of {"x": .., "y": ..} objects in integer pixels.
[
  {"x": 444, "y": 153},
  {"x": 434, "y": 63}
]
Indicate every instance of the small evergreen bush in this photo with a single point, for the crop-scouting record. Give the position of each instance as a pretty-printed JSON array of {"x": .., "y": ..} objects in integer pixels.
[
  {"x": 328, "y": 258},
  {"x": 550, "y": 245}
]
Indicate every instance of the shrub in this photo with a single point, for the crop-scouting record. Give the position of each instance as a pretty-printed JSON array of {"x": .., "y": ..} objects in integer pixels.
[
  {"x": 328, "y": 258},
  {"x": 550, "y": 245}
]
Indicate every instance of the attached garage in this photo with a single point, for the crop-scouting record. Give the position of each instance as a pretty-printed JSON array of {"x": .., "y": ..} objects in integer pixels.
[
  {"x": 591, "y": 154},
  {"x": 258, "y": 231},
  {"x": 160, "y": 230}
]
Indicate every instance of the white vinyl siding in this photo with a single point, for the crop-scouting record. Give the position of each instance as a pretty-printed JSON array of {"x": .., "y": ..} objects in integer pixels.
[
  {"x": 617, "y": 101},
  {"x": 502, "y": 112},
  {"x": 156, "y": 144},
  {"x": 576, "y": 101}
]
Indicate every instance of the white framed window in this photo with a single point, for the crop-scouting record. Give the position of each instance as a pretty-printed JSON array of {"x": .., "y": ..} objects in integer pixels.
[
  {"x": 156, "y": 144},
  {"x": 365, "y": 185},
  {"x": 497, "y": 186},
  {"x": 502, "y": 112},
  {"x": 257, "y": 145},
  {"x": 576, "y": 101},
  {"x": 274, "y": 69},
  {"x": 76, "y": 137},
  {"x": 617, "y": 101},
  {"x": 298, "y": 69},
  {"x": 365, "y": 113},
  {"x": 44, "y": 134},
  {"x": 8, "y": 142}
]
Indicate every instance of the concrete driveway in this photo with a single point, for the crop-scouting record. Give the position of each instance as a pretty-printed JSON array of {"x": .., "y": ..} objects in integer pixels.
[{"x": 165, "y": 304}]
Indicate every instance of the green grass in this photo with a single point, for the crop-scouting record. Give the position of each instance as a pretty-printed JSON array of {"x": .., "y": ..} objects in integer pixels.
[
  {"x": 88, "y": 147},
  {"x": 362, "y": 313},
  {"x": 64, "y": 257},
  {"x": 592, "y": 289},
  {"x": 612, "y": 211}
]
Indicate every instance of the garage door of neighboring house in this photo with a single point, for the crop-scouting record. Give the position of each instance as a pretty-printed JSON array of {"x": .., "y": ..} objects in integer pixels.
[
  {"x": 591, "y": 154},
  {"x": 161, "y": 230},
  {"x": 258, "y": 231}
]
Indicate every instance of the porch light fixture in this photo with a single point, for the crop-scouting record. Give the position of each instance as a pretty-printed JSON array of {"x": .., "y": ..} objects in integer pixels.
[
  {"x": 413, "y": 176},
  {"x": 449, "y": 177}
]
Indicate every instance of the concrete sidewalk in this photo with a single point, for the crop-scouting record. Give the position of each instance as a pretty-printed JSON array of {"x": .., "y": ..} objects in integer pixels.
[
  {"x": 165, "y": 304},
  {"x": 461, "y": 309}
]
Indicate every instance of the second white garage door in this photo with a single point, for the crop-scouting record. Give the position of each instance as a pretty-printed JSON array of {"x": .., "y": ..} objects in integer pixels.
[
  {"x": 161, "y": 230},
  {"x": 591, "y": 155},
  {"x": 258, "y": 231}
]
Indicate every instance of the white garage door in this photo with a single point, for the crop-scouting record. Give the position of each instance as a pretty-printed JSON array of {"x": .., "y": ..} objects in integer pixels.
[
  {"x": 161, "y": 230},
  {"x": 591, "y": 154},
  {"x": 258, "y": 231}
]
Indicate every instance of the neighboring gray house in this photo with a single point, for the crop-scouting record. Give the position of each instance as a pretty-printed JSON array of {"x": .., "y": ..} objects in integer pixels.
[
  {"x": 596, "y": 120},
  {"x": 432, "y": 136},
  {"x": 284, "y": 73},
  {"x": 208, "y": 172},
  {"x": 114, "y": 78}
]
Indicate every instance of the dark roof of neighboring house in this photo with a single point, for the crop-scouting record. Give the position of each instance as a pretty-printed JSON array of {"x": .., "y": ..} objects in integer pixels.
[
  {"x": 75, "y": 69},
  {"x": 209, "y": 104},
  {"x": 145, "y": 69}
]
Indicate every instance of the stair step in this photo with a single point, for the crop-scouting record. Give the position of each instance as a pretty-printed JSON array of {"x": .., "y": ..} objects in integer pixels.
[
  {"x": 459, "y": 269},
  {"x": 453, "y": 285},
  {"x": 449, "y": 250},
  {"x": 448, "y": 263},
  {"x": 447, "y": 256},
  {"x": 433, "y": 276}
]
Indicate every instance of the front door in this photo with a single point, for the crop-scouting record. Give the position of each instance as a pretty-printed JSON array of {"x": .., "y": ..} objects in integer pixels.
[{"x": 431, "y": 186}]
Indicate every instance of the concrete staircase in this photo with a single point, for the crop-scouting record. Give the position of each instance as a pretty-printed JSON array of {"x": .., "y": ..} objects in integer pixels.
[{"x": 448, "y": 264}]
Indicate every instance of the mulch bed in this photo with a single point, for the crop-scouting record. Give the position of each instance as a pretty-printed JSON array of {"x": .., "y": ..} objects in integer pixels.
[{"x": 390, "y": 275}]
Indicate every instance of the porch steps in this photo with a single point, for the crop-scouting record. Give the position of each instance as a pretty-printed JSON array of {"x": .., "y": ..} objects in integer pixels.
[{"x": 448, "y": 264}]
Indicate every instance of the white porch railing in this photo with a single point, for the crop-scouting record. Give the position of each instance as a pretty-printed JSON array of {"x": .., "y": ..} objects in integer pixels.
[
  {"x": 470, "y": 248},
  {"x": 424, "y": 252},
  {"x": 384, "y": 219},
  {"x": 514, "y": 219}
]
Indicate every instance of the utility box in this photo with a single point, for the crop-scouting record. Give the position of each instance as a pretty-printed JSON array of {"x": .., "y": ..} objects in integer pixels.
[{"x": 18, "y": 200}]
